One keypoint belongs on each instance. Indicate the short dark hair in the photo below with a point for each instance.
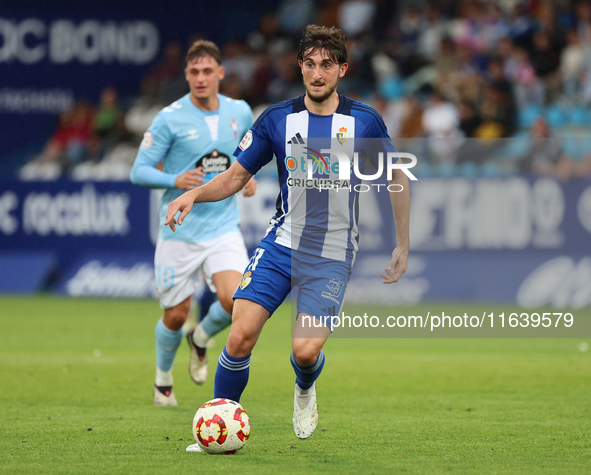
(317, 38)
(203, 48)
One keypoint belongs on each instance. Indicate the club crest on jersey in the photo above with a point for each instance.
(234, 126)
(343, 135)
(246, 279)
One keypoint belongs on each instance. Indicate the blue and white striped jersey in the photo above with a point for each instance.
(184, 137)
(321, 222)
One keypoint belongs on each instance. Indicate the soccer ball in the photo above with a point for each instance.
(221, 426)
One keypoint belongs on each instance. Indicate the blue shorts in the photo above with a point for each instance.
(274, 270)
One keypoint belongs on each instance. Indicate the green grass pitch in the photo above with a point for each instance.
(76, 397)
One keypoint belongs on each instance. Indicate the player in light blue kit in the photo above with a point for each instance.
(194, 138)
(313, 238)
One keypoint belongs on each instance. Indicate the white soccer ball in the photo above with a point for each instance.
(221, 426)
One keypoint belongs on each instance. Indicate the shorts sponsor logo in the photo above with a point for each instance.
(246, 141)
(246, 279)
(335, 287)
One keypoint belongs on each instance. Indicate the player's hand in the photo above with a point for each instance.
(250, 188)
(396, 267)
(184, 204)
(190, 179)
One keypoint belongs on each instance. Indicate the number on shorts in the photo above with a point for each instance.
(258, 253)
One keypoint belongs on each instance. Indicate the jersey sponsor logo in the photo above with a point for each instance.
(246, 141)
(192, 134)
(214, 162)
(343, 135)
(246, 279)
(235, 126)
(148, 140)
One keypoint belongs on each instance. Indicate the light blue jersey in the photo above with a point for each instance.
(184, 137)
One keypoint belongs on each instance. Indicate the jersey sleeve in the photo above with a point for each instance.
(256, 148)
(153, 149)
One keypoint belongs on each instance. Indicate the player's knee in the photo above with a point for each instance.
(305, 354)
(240, 343)
(174, 318)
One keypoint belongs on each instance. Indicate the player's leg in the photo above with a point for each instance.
(233, 368)
(307, 360)
(169, 335)
(264, 285)
(322, 284)
(224, 261)
(176, 268)
(218, 317)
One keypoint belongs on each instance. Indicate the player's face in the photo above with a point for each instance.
(204, 75)
(321, 75)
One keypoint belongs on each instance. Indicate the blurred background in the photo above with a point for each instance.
(494, 98)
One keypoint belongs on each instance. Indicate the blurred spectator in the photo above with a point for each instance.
(441, 122)
(528, 88)
(288, 82)
(108, 122)
(470, 118)
(66, 148)
(441, 117)
(141, 114)
(545, 60)
(356, 16)
(432, 32)
(168, 69)
(546, 155)
(238, 60)
(571, 65)
(295, 16)
(231, 86)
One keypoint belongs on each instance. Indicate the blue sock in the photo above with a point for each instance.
(306, 375)
(216, 319)
(167, 342)
(205, 301)
(231, 376)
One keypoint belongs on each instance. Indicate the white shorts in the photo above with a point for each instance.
(178, 265)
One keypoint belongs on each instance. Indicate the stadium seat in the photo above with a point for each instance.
(579, 116)
(528, 115)
(556, 116)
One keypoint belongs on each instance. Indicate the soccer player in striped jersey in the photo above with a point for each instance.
(312, 239)
(194, 138)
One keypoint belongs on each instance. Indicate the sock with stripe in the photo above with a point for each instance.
(231, 376)
(167, 343)
(306, 375)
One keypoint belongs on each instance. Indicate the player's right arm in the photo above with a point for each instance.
(219, 188)
(153, 149)
(254, 151)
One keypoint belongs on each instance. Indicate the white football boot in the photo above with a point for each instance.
(198, 363)
(165, 398)
(194, 448)
(305, 411)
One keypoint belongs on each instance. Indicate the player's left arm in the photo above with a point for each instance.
(400, 201)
